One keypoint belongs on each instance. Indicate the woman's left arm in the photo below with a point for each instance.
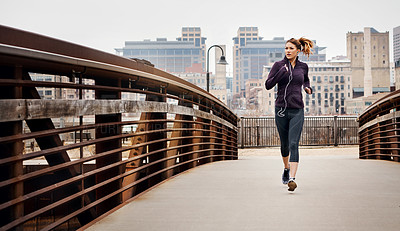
(307, 87)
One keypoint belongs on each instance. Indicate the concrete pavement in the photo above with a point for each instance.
(336, 191)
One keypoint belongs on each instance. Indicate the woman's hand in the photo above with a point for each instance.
(308, 90)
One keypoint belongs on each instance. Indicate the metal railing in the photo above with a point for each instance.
(379, 129)
(64, 163)
(317, 130)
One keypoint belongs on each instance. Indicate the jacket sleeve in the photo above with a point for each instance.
(307, 80)
(275, 75)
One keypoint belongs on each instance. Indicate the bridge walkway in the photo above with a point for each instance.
(336, 191)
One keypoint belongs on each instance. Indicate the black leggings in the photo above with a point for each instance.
(289, 129)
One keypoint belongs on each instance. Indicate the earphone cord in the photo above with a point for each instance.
(282, 110)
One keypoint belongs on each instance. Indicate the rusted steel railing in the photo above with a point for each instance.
(317, 130)
(379, 129)
(63, 162)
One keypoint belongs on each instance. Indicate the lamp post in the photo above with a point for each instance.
(222, 61)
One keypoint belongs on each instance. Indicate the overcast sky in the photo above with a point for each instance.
(106, 25)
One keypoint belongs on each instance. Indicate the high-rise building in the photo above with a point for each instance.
(251, 53)
(370, 62)
(186, 54)
(396, 43)
(397, 74)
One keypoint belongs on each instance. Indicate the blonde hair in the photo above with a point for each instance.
(303, 44)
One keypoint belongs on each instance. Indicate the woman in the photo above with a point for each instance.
(291, 75)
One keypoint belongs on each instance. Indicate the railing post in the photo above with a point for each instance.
(335, 130)
(162, 144)
(242, 132)
(11, 150)
(106, 131)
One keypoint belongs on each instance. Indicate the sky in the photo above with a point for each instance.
(105, 25)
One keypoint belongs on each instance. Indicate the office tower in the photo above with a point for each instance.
(396, 43)
(396, 56)
(251, 53)
(186, 54)
(370, 64)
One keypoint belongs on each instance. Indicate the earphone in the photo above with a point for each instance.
(282, 110)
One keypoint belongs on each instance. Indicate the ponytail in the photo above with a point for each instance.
(303, 44)
(307, 46)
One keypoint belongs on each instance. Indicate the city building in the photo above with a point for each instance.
(331, 84)
(186, 54)
(62, 93)
(253, 88)
(198, 79)
(396, 43)
(370, 62)
(397, 74)
(357, 105)
(251, 53)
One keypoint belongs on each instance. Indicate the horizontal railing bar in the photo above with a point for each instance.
(28, 109)
(55, 131)
(380, 143)
(367, 132)
(380, 154)
(378, 138)
(30, 83)
(374, 149)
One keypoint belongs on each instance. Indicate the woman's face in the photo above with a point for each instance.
(291, 50)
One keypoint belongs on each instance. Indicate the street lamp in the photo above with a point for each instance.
(222, 61)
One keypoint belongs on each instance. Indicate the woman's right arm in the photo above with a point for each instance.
(275, 75)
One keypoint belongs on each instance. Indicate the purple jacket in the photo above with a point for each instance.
(278, 74)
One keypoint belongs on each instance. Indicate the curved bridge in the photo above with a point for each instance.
(120, 147)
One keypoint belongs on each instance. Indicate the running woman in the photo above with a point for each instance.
(291, 75)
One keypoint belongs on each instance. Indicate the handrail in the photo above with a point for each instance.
(173, 126)
(379, 127)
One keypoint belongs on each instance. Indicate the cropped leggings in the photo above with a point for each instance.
(289, 129)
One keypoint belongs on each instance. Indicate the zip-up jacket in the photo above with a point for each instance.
(279, 75)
